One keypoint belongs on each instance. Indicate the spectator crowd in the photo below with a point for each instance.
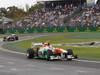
(47, 17)
(57, 16)
(89, 17)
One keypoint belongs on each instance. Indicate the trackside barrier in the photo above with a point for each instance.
(30, 30)
(10, 31)
(39, 29)
(93, 28)
(51, 29)
(60, 29)
(71, 28)
(82, 28)
(21, 31)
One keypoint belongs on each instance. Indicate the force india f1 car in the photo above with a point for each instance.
(46, 51)
(11, 37)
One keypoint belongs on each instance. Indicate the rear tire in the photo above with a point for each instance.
(70, 52)
(16, 38)
(30, 53)
(75, 57)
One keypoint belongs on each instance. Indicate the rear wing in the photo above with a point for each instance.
(36, 44)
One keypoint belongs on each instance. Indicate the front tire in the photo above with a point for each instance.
(30, 53)
(75, 57)
(4, 39)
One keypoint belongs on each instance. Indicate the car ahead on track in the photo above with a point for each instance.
(46, 51)
(11, 37)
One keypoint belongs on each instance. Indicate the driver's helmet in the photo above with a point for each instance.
(46, 44)
(13, 34)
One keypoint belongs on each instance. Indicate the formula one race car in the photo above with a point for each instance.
(11, 37)
(46, 51)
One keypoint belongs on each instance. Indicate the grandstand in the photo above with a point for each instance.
(61, 16)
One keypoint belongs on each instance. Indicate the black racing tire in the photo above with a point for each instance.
(16, 38)
(65, 54)
(75, 57)
(4, 39)
(70, 52)
(30, 53)
(49, 53)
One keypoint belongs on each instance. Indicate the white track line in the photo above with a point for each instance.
(6, 50)
(89, 61)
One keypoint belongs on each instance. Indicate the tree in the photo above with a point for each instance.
(3, 12)
(36, 6)
(15, 13)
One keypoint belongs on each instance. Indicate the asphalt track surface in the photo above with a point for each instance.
(18, 64)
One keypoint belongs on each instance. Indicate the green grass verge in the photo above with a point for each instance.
(84, 52)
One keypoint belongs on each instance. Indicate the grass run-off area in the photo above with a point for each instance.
(69, 37)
